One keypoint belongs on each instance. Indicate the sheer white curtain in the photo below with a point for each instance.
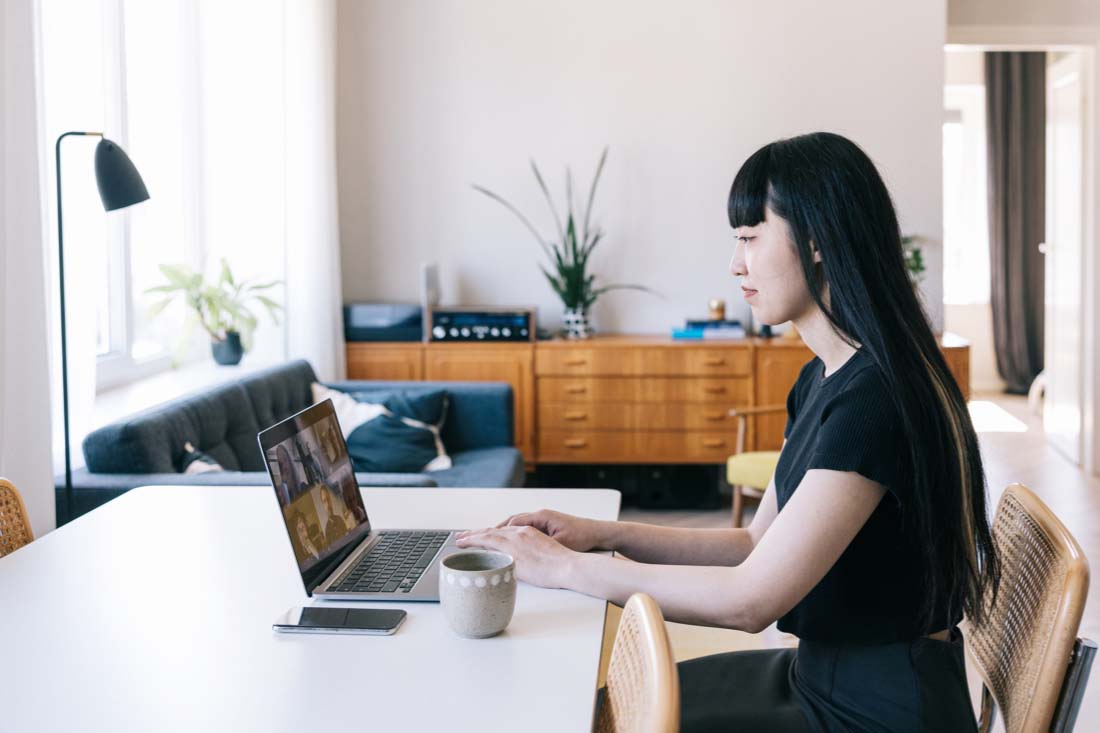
(24, 364)
(269, 163)
(313, 298)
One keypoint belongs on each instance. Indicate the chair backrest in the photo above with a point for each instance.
(643, 686)
(15, 527)
(1025, 644)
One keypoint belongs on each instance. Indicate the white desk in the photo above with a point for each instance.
(154, 613)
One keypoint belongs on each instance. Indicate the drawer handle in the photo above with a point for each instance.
(715, 416)
(714, 362)
(576, 362)
(576, 390)
(713, 443)
(575, 442)
(576, 416)
(714, 390)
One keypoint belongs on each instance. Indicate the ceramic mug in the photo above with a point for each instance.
(477, 590)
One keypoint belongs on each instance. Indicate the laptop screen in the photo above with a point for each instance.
(315, 484)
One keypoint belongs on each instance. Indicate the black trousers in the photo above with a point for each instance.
(917, 685)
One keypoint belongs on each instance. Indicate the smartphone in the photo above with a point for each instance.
(327, 620)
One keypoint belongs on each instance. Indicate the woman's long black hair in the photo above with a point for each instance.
(831, 195)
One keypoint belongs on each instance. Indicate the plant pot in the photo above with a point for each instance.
(575, 324)
(229, 350)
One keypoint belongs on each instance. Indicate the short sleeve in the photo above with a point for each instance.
(861, 432)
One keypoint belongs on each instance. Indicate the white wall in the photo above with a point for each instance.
(434, 95)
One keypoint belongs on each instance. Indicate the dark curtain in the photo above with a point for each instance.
(1015, 103)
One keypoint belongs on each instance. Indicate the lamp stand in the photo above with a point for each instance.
(64, 339)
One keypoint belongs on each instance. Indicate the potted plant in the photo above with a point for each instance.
(914, 260)
(569, 274)
(221, 307)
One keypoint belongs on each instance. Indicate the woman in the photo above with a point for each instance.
(307, 550)
(335, 526)
(872, 540)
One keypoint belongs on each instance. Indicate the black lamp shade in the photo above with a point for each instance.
(120, 184)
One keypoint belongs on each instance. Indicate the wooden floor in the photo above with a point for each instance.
(1014, 450)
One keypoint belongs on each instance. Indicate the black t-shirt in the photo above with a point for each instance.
(848, 422)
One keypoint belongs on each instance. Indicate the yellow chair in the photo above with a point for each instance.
(1026, 649)
(749, 473)
(15, 528)
(643, 685)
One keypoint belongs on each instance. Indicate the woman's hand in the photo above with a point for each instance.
(576, 533)
(540, 560)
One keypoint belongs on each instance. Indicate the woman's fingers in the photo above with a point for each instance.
(479, 538)
(514, 519)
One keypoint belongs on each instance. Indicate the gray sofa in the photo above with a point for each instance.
(147, 448)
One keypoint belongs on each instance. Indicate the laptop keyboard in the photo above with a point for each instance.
(393, 565)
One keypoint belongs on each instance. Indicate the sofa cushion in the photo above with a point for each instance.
(219, 422)
(484, 468)
(480, 414)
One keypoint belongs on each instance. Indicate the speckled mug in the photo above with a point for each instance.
(477, 589)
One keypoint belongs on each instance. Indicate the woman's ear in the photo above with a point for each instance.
(816, 253)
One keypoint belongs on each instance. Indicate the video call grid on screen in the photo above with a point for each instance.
(315, 483)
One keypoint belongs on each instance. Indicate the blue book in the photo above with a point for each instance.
(706, 323)
(687, 333)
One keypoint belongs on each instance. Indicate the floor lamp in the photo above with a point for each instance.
(120, 185)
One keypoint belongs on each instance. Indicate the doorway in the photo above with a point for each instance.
(967, 302)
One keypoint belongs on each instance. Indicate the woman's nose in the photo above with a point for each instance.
(737, 262)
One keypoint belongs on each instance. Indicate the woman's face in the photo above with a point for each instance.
(771, 276)
(303, 533)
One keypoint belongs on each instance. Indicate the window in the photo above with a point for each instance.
(90, 86)
(965, 218)
(167, 81)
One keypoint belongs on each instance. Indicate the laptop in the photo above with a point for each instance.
(339, 555)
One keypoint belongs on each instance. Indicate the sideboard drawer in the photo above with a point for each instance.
(663, 362)
(635, 447)
(669, 389)
(636, 416)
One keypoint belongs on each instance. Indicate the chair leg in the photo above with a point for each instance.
(738, 505)
(988, 711)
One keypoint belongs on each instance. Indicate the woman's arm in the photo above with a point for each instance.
(655, 544)
(684, 546)
(802, 543)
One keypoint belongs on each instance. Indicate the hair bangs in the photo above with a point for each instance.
(750, 190)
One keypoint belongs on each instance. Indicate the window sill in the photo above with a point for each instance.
(115, 404)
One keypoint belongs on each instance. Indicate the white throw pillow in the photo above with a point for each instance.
(350, 412)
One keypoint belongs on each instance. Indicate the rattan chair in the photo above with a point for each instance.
(15, 528)
(1026, 649)
(749, 474)
(643, 685)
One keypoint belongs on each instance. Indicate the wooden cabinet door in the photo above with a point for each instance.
(511, 363)
(958, 361)
(777, 368)
(393, 361)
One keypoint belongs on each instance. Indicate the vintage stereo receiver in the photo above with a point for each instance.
(480, 323)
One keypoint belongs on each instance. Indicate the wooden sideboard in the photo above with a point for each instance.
(623, 398)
